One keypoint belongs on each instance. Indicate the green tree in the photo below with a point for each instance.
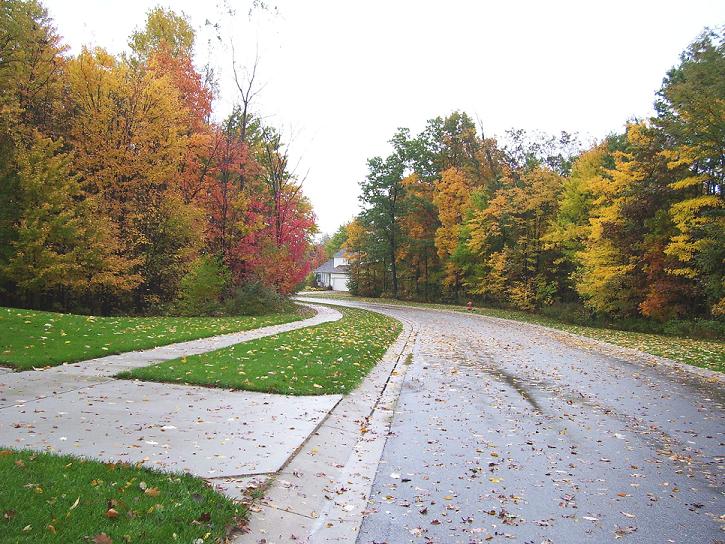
(336, 241)
(164, 29)
(691, 113)
(382, 195)
(31, 69)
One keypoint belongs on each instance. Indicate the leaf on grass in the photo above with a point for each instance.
(102, 538)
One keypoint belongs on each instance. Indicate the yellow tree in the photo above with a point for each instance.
(605, 278)
(128, 135)
(507, 238)
(623, 268)
(61, 248)
(571, 228)
(452, 198)
(363, 266)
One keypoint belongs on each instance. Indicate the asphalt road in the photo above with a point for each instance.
(506, 432)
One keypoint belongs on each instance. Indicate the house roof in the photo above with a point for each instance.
(330, 267)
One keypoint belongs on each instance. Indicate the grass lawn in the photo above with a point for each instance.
(692, 351)
(328, 358)
(37, 339)
(51, 499)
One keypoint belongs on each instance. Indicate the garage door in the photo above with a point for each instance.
(339, 284)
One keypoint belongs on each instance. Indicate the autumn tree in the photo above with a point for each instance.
(164, 29)
(367, 270)
(60, 249)
(691, 114)
(418, 229)
(452, 199)
(129, 139)
(31, 92)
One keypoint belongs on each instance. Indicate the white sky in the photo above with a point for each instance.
(341, 76)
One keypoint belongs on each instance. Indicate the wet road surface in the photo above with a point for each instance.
(506, 432)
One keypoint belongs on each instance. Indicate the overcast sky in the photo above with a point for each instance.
(339, 77)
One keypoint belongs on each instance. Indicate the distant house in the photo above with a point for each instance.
(335, 273)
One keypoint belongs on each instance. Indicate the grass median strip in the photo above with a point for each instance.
(699, 352)
(31, 338)
(329, 358)
(49, 498)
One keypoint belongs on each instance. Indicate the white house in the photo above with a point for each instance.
(335, 273)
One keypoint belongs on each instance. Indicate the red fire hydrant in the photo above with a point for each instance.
(469, 306)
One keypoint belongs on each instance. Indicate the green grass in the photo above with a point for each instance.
(52, 499)
(703, 353)
(37, 339)
(328, 358)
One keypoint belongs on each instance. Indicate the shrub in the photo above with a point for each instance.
(569, 312)
(255, 298)
(201, 288)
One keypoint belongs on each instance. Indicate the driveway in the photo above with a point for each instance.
(508, 432)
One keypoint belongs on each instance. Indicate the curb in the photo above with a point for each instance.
(321, 494)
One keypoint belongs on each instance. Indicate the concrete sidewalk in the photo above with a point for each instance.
(22, 387)
(213, 433)
(321, 494)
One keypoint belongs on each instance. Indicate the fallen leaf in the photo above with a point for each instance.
(620, 532)
(111, 513)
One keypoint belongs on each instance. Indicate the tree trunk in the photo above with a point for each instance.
(394, 273)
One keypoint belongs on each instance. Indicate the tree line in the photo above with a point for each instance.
(118, 192)
(632, 227)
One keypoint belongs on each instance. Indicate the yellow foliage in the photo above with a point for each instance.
(452, 197)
